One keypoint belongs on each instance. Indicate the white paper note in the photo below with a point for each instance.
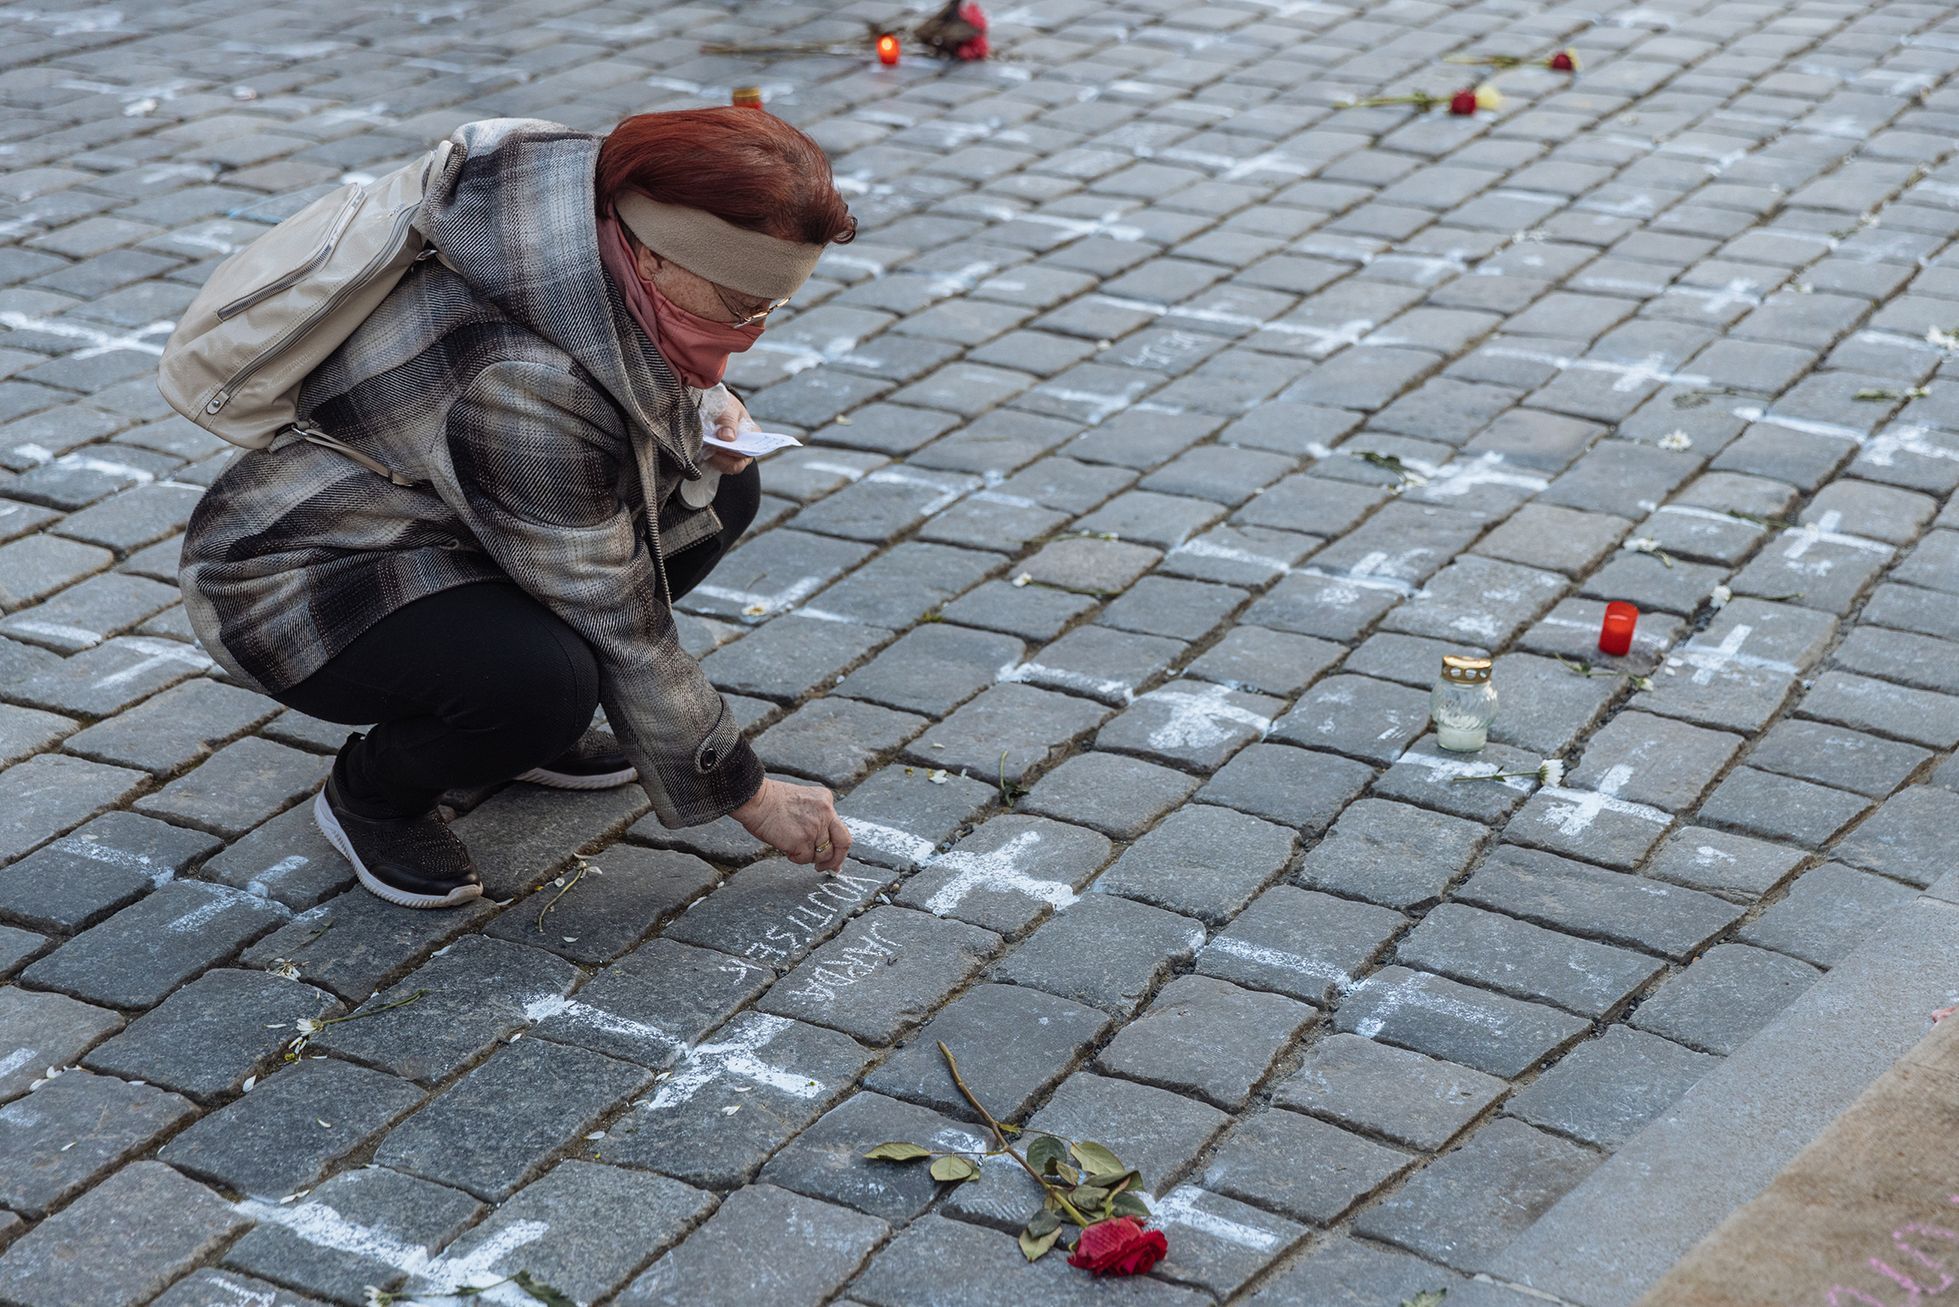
(753, 444)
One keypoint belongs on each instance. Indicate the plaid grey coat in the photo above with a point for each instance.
(508, 379)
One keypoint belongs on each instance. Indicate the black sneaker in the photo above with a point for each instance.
(596, 762)
(413, 862)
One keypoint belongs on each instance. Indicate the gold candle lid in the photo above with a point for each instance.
(1465, 669)
(747, 97)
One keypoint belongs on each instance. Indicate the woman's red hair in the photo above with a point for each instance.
(744, 166)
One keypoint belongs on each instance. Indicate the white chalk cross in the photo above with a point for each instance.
(999, 871)
(1572, 812)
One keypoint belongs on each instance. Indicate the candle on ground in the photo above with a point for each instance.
(1616, 634)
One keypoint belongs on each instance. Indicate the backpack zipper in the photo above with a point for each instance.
(305, 324)
(334, 233)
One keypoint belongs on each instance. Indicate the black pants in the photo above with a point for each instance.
(476, 684)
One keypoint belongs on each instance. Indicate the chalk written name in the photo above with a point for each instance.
(853, 963)
(803, 924)
(1913, 1280)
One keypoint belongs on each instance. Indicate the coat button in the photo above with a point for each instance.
(708, 758)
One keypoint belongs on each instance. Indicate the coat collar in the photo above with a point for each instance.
(513, 214)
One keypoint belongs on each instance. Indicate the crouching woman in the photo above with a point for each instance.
(538, 384)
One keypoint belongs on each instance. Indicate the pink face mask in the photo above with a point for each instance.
(696, 348)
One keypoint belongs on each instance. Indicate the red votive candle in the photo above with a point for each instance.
(1616, 635)
(887, 49)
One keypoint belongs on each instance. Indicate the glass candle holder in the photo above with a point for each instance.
(1463, 704)
(1615, 635)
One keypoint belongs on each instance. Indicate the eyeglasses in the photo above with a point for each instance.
(748, 319)
(741, 319)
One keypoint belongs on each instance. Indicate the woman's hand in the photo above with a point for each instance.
(800, 820)
(728, 424)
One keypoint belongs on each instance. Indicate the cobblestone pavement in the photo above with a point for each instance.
(1166, 423)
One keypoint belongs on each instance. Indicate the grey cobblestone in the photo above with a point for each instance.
(826, 1160)
(206, 1038)
(259, 1145)
(1453, 1022)
(1206, 1037)
(1203, 861)
(651, 1004)
(214, 1286)
(370, 944)
(777, 1075)
(1604, 1090)
(435, 1143)
(756, 1218)
(1513, 957)
(963, 1265)
(120, 1243)
(44, 1032)
(423, 1216)
(238, 787)
(1900, 839)
(1298, 943)
(1299, 788)
(163, 734)
(1051, 1035)
(75, 1129)
(1099, 662)
(883, 974)
(1307, 1169)
(1728, 994)
(1490, 1188)
(50, 794)
(106, 864)
(136, 957)
(472, 994)
(1345, 1078)
(1157, 1132)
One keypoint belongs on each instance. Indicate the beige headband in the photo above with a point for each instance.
(751, 262)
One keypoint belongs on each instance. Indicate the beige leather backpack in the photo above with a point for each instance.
(275, 310)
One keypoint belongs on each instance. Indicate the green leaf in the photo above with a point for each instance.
(1035, 1246)
(1044, 1220)
(953, 1169)
(1427, 1298)
(1090, 1199)
(897, 1151)
(1045, 1153)
(544, 1293)
(1128, 1204)
(1097, 1160)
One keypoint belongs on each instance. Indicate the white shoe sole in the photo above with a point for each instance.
(330, 827)
(558, 780)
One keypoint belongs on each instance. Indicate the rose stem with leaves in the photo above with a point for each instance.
(1000, 1135)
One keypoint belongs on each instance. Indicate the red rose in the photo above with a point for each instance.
(1564, 61)
(1463, 103)
(1119, 1246)
(974, 47)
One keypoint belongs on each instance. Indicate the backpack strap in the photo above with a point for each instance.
(373, 465)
